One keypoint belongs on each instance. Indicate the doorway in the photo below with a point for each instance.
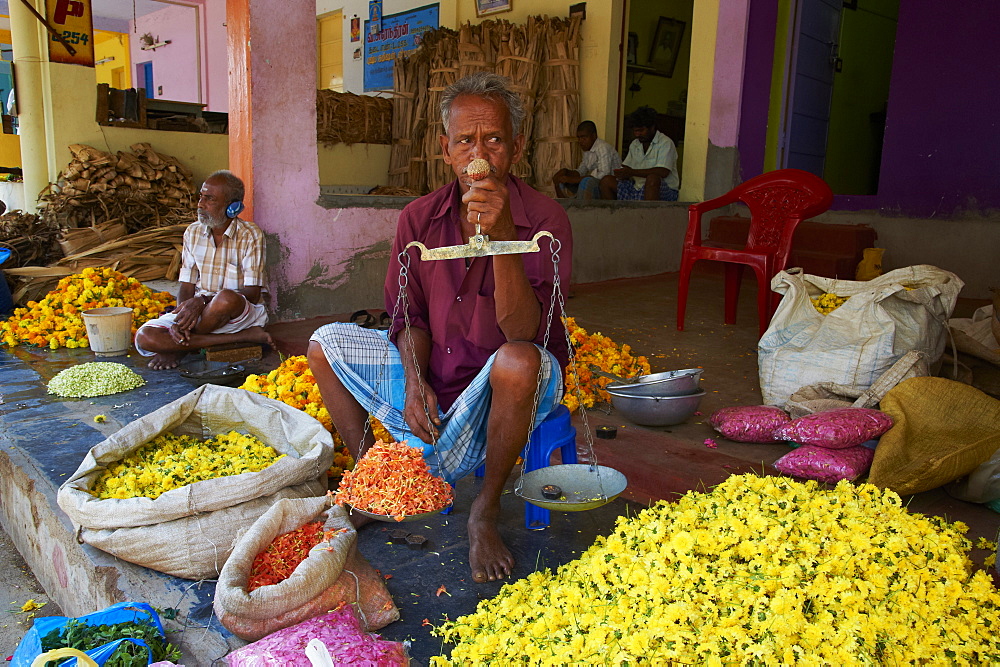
(144, 77)
(837, 89)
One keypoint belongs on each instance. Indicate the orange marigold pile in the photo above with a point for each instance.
(585, 388)
(57, 320)
(293, 383)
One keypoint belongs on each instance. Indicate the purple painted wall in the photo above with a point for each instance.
(942, 139)
(214, 65)
(761, 27)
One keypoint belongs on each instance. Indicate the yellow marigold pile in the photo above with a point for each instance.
(171, 461)
(293, 383)
(828, 302)
(761, 571)
(57, 321)
(583, 387)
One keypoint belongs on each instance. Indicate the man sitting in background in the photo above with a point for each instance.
(600, 159)
(649, 171)
(222, 272)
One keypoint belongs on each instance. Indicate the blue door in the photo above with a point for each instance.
(807, 116)
(144, 77)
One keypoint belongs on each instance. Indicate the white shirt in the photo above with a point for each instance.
(661, 153)
(600, 161)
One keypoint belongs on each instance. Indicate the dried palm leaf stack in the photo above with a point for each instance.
(477, 47)
(409, 75)
(442, 45)
(520, 51)
(346, 118)
(141, 188)
(151, 254)
(558, 111)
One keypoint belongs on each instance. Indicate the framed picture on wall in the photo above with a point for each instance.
(666, 45)
(487, 7)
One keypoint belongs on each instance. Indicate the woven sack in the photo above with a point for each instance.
(942, 430)
(334, 573)
(189, 532)
(881, 321)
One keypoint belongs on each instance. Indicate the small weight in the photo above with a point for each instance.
(551, 492)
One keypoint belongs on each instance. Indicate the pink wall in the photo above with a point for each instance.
(316, 246)
(215, 70)
(175, 66)
(727, 84)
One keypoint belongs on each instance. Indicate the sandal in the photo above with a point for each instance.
(363, 319)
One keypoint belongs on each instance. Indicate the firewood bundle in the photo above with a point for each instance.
(30, 239)
(558, 110)
(142, 188)
(442, 45)
(352, 119)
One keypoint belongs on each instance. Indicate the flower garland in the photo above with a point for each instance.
(57, 320)
(293, 383)
(171, 461)
(762, 571)
(600, 351)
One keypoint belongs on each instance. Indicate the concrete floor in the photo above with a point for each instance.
(660, 463)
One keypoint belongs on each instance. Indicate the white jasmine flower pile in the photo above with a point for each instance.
(97, 378)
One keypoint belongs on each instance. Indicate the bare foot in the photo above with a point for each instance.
(258, 335)
(165, 360)
(488, 555)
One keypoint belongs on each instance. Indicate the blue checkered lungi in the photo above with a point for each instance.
(369, 366)
(628, 192)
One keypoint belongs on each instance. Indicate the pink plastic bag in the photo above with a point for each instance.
(826, 465)
(341, 633)
(751, 423)
(836, 429)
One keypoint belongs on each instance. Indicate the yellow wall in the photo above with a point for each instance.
(357, 164)
(116, 73)
(10, 144)
(703, 35)
(657, 91)
(70, 122)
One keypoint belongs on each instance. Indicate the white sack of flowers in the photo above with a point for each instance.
(883, 319)
(761, 571)
(200, 521)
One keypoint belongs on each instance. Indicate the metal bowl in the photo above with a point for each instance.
(656, 410)
(671, 383)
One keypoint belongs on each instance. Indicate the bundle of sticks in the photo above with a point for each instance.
(558, 111)
(352, 119)
(442, 46)
(30, 239)
(143, 188)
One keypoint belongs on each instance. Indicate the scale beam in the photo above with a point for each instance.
(479, 245)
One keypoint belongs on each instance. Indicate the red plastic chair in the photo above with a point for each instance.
(778, 202)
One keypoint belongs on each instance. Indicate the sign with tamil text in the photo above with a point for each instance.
(399, 36)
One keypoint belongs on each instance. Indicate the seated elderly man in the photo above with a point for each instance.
(649, 171)
(222, 267)
(460, 366)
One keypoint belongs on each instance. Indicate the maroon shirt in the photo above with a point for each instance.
(456, 304)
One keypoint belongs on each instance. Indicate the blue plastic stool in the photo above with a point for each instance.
(555, 432)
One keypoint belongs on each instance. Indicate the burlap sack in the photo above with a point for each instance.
(205, 412)
(192, 547)
(334, 573)
(942, 430)
(189, 532)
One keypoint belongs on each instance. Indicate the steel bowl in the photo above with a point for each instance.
(671, 383)
(656, 410)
